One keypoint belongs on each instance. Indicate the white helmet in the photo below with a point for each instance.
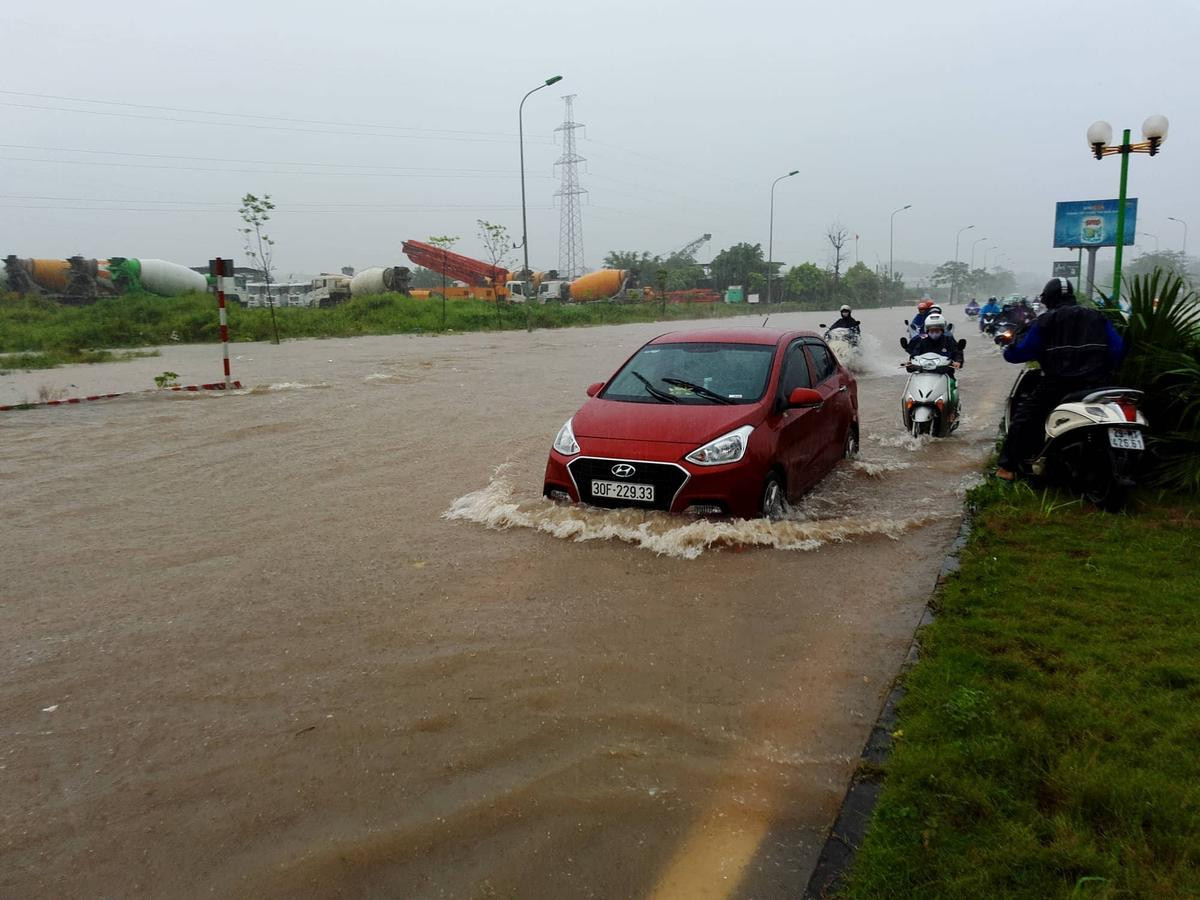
(845, 310)
(935, 320)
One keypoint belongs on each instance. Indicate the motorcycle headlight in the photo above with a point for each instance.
(564, 441)
(725, 449)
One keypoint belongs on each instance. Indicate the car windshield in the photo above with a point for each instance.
(695, 373)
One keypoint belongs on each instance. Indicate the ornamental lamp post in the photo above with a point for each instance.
(771, 234)
(1099, 138)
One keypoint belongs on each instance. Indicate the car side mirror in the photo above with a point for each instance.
(904, 341)
(962, 343)
(594, 389)
(804, 398)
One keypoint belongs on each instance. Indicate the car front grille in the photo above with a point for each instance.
(667, 479)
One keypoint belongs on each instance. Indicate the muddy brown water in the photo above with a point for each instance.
(323, 637)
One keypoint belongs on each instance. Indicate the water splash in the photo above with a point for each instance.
(285, 386)
(863, 358)
(875, 468)
(497, 506)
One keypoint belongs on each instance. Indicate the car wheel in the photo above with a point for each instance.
(850, 450)
(774, 498)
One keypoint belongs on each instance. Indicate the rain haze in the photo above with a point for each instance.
(370, 124)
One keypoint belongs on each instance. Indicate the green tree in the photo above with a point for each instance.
(1172, 262)
(807, 283)
(860, 287)
(735, 265)
(444, 242)
(255, 213)
(951, 275)
(496, 243)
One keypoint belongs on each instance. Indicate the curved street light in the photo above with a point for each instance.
(891, 241)
(954, 291)
(1157, 245)
(1184, 224)
(973, 246)
(525, 275)
(771, 237)
(1099, 138)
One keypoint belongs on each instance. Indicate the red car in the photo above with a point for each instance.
(735, 421)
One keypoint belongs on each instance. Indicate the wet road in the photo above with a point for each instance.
(248, 653)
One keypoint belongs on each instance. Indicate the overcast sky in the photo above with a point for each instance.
(973, 114)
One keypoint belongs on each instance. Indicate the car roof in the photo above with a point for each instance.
(730, 335)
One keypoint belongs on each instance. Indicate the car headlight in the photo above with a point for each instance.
(725, 449)
(564, 441)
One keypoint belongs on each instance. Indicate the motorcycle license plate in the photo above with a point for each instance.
(1126, 439)
(623, 490)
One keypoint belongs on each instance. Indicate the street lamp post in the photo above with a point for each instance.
(954, 291)
(524, 225)
(971, 268)
(1157, 245)
(771, 235)
(1099, 138)
(995, 247)
(891, 242)
(1183, 250)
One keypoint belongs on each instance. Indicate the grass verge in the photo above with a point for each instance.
(44, 333)
(61, 356)
(1049, 737)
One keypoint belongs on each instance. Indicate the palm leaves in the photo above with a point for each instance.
(1162, 339)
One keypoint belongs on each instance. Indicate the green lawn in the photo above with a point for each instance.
(1049, 740)
(46, 334)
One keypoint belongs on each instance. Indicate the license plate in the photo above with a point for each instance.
(1126, 439)
(623, 490)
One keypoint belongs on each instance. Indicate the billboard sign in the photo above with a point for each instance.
(1068, 268)
(1092, 223)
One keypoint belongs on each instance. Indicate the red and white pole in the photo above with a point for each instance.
(218, 266)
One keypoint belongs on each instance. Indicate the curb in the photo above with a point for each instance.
(212, 386)
(850, 826)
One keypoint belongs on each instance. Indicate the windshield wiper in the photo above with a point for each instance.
(697, 389)
(654, 392)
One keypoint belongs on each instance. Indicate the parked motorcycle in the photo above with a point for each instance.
(929, 404)
(1094, 440)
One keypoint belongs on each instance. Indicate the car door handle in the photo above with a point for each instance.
(843, 389)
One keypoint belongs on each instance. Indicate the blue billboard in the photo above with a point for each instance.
(1092, 223)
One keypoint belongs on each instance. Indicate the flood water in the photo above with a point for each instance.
(323, 637)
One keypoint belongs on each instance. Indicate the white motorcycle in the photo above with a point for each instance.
(1094, 440)
(929, 404)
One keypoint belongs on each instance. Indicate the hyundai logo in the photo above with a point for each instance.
(623, 470)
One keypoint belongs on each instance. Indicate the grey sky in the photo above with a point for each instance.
(973, 114)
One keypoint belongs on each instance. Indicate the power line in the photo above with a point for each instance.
(339, 133)
(263, 162)
(117, 165)
(210, 112)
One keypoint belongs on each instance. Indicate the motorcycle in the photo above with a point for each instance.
(971, 309)
(1094, 440)
(849, 335)
(929, 403)
(988, 323)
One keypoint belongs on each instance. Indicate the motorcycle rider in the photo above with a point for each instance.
(991, 308)
(846, 321)
(937, 339)
(917, 326)
(1077, 348)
